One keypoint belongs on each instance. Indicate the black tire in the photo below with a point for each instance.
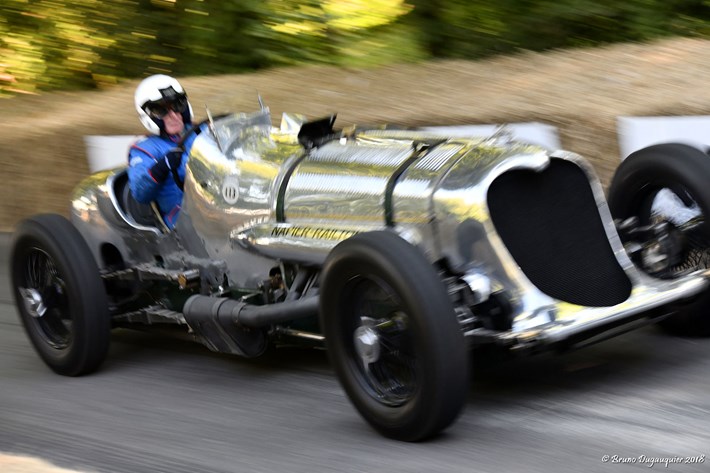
(379, 286)
(685, 171)
(51, 263)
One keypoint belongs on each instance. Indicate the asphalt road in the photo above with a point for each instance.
(162, 404)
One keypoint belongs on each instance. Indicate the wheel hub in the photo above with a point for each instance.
(33, 302)
(367, 344)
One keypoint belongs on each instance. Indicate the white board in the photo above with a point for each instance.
(639, 132)
(108, 152)
(531, 132)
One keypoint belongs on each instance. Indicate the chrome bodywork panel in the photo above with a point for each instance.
(98, 217)
(255, 199)
(344, 183)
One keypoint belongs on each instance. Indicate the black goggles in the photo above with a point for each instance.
(161, 108)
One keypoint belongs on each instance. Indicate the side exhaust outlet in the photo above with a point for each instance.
(229, 326)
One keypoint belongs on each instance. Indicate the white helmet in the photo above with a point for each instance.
(155, 95)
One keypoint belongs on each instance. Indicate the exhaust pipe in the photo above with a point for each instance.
(249, 315)
(230, 326)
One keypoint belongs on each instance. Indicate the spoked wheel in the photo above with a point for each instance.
(669, 183)
(381, 352)
(689, 225)
(60, 295)
(43, 293)
(393, 337)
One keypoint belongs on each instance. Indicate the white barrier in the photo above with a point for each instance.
(532, 132)
(638, 132)
(108, 152)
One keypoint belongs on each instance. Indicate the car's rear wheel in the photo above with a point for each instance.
(671, 183)
(60, 295)
(393, 336)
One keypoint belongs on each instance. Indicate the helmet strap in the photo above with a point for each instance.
(186, 118)
(160, 124)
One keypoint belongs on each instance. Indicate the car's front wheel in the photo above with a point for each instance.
(670, 184)
(393, 337)
(60, 295)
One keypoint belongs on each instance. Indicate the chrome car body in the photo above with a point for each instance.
(259, 199)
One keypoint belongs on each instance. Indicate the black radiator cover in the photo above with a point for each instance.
(551, 225)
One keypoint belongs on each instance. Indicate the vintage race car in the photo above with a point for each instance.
(400, 251)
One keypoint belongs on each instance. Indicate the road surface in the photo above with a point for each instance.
(163, 404)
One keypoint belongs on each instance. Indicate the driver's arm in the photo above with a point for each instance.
(144, 185)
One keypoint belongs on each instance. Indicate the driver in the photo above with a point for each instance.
(156, 164)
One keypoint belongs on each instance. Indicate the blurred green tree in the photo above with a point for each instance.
(70, 44)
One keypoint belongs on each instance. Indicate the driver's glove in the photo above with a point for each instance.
(170, 163)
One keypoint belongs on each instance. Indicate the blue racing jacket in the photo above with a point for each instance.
(141, 157)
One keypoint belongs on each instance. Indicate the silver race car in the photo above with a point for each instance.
(400, 251)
